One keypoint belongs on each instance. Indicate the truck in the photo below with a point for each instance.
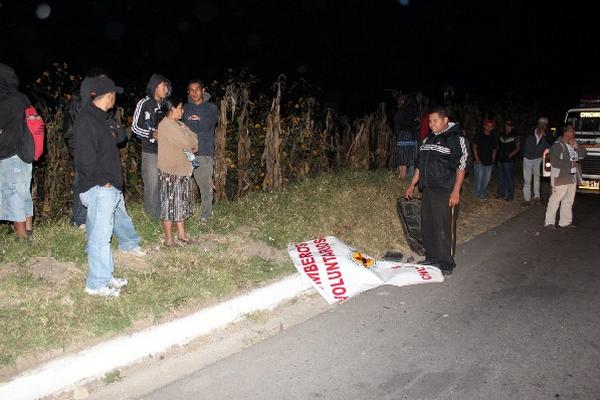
(586, 120)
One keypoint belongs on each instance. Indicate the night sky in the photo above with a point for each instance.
(352, 49)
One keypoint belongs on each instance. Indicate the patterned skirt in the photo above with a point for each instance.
(406, 148)
(176, 197)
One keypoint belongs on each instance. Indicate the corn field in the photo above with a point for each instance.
(263, 140)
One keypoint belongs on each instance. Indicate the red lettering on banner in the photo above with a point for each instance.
(341, 298)
(423, 273)
(311, 268)
(332, 266)
(338, 283)
(339, 291)
(307, 261)
(315, 277)
(319, 240)
(334, 274)
(326, 259)
(302, 248)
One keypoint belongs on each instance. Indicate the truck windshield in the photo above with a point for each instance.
(584, 121)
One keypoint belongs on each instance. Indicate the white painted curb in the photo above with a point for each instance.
(60, 375)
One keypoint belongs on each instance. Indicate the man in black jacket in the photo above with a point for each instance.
(144, 126)
(78, 99)
(15, 171)
(440, 171)
(98, 164)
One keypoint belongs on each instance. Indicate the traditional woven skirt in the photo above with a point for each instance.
(176, 197)
(406, 148)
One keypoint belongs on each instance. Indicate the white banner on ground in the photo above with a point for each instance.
(338, 271)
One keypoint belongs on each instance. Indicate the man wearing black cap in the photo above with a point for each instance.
(98, 164)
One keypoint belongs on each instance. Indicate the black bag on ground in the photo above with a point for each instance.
(409, 212)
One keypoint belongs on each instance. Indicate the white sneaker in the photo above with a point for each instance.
(117, 283)
(138, 252)
(105, 291)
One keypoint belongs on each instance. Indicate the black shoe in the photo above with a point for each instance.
(392, 256)
(570, 226)
(446, 272)
(551, 227)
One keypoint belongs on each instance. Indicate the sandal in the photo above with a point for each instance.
(185, 240)
(170, 244)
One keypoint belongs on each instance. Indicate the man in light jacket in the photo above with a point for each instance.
(565, 155)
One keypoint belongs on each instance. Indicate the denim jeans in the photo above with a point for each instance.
(79, 211)
(483, 173)
(15, 194)
(150, 177)
(531, 167)
(106, 215)
(203, 176)
(506, 184)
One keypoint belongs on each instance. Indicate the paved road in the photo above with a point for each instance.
(519, 319)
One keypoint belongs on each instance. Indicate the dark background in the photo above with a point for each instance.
(353, 49)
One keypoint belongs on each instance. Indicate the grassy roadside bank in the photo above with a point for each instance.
(44, 311)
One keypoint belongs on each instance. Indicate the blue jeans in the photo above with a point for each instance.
(106, 215)
(506, 184)
(15, 194)
(79, 211)
(483, 173)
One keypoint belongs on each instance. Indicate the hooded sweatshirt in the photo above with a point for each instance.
(440, 156)
(144, 116)
(202, 119)
(12, 113)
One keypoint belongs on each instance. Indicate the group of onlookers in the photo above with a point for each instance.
(177, 148)
(489, 148)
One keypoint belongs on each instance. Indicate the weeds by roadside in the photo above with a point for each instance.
(44, 310)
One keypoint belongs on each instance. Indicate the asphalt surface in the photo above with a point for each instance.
(518, 319)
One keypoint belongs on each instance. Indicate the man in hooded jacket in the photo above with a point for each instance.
(201, 116)
(144, 126)
(440, 171)
(16, 204)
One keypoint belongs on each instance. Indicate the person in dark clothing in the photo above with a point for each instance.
(484, 155)
(98, 163)
(534, 145)
(144, 126)
(440, 171)
(78, 99)
(16, 204)
(406, 134)
(201, 116)
(508, 148)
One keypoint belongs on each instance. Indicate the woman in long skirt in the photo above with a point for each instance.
(175, 170)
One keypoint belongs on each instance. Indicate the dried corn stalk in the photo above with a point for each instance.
(358, 156)
(220, 169)
(272, 154)
(243, 146)
(383, 135)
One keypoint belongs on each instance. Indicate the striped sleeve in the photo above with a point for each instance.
(140, 124)
(462, 153)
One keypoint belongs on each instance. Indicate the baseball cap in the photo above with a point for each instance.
(101, 85)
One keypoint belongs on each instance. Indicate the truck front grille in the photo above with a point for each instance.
(590, 165)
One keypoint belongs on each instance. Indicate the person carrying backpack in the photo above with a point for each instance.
(16, 155)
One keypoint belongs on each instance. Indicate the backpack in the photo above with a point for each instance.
(32, 143)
